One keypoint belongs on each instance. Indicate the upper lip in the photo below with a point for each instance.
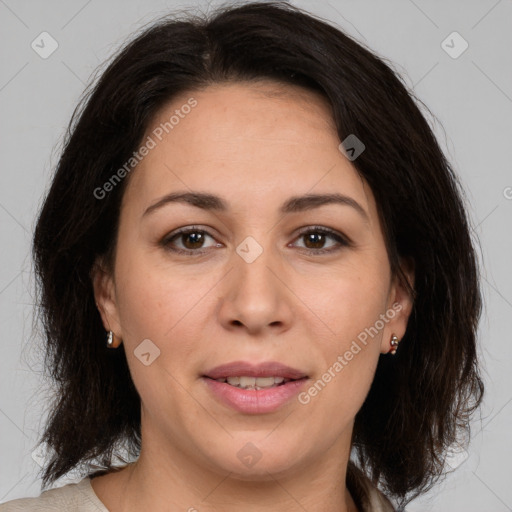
(246, 369)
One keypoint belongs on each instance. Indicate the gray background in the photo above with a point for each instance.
(471, 95)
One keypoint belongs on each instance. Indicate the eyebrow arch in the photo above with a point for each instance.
(294, 204)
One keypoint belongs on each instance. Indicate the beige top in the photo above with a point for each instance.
(80, 497)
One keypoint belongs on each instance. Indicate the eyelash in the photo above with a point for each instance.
(344, 242)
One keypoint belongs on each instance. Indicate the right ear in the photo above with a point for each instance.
(105, 297)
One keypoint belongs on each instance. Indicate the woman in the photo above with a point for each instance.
(253, 213)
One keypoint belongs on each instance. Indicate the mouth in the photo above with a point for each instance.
(246, 375)
(248, 382)
(254, 389)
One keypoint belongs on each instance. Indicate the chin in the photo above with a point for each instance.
(248, 460)
(262, 471)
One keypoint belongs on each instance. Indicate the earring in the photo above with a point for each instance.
(111, 340)
(394, 344)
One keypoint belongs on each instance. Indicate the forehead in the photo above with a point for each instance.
(245, 141)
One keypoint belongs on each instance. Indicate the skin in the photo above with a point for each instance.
(290, 304)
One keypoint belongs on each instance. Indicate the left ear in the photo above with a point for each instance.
(400, 301)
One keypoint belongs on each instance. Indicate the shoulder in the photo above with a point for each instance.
(79, 497)
(366, 495)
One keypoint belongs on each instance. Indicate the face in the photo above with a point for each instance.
(262, 276)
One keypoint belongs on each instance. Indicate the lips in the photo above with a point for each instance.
(242, 368)
(246, 387)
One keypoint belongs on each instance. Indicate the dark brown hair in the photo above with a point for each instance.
(422, 398)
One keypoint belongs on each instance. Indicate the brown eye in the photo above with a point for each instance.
(192, 240)
(315, 240)
(187, 241)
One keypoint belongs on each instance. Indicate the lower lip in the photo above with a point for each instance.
(254, 401)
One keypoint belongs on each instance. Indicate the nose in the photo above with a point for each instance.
(255, 296)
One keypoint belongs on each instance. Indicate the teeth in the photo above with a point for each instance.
(254, 382)
(245, 382)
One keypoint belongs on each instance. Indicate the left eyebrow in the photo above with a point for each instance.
(294, 204)
(310, 201)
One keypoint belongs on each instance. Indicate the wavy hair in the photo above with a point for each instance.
(421, 399)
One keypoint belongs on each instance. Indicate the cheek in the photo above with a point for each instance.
(153, 306)
(350, 355)
(142, 300)
(347, 300)
(151, 297)
(342, 388)
(349, 305)
(165, 305)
